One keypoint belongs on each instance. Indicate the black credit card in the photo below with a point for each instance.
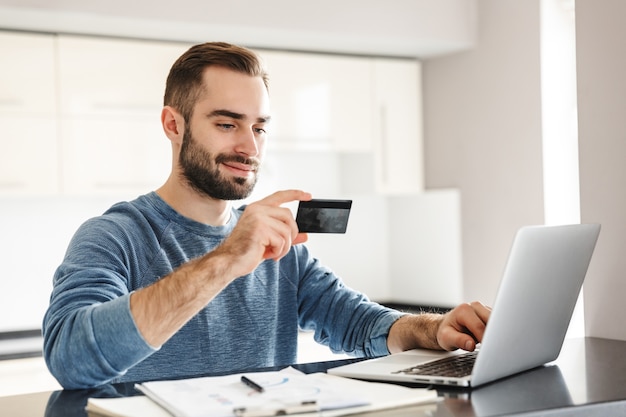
(323, 216)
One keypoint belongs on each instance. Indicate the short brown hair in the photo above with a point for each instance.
(184, 84)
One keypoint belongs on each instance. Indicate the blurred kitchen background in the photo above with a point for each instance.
(450, 123)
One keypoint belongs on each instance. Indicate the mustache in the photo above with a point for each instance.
(253, 162)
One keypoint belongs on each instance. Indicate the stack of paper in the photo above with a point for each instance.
(278, 393)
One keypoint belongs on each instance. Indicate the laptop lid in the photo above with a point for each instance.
(537, 295)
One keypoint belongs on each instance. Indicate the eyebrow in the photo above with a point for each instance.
(235, 115)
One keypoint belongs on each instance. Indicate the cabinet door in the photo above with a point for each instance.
(113, 77)
(29, 161)
(399, 153)
(27, 74)
(111, 99)
(123, 156)
(320, 101)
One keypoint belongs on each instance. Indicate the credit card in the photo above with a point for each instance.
(323, 216)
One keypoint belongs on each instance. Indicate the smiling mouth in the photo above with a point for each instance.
(238, 165)
(240, 169)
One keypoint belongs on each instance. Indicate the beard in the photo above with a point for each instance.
(200, 169)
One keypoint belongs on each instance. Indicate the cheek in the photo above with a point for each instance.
(262, 148)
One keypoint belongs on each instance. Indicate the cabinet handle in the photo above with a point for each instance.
(121, 185)
(9, 102)
(127, 107)
(11, 185)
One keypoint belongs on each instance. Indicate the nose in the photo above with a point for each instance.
(247, 143)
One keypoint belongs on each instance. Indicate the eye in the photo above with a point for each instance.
(226, 126)
(260, 130)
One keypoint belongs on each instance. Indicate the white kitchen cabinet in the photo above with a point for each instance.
(113, 76)
(367, 109)
(104, 135)
(29, 161)
(111, 99)
(27, 74)
(113, 156)
(321, 102)
(398, 123)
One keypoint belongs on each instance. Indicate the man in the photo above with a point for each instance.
(179, 283)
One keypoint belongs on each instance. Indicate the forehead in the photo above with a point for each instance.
(236, 91)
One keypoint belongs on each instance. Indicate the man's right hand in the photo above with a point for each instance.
(265, 231)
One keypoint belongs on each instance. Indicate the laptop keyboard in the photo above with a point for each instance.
(456, 366)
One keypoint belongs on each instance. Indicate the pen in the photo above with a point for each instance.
(281, 410)
(252, 384)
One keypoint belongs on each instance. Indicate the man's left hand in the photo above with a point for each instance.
(463, 327)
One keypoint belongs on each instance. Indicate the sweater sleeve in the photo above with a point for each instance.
(90, 337)
(342, 318)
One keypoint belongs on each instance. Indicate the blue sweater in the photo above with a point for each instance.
(90, 337)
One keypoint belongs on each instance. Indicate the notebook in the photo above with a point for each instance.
(530, 317)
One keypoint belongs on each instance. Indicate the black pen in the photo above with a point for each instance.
(252, 384)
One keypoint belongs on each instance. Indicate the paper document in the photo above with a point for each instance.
(283, 392)
(125, 407)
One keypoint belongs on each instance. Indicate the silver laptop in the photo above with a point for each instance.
(528, 323)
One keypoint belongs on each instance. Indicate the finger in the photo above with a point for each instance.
(286, 196)
(300, 238)
(477, 323)
(474, 321)
(464, 327)
(452, 338)
(280, 236)
(483, 311)
(287, 217)
(467, 343)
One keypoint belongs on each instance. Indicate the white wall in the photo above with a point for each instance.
(483, 136)
(492, 151)
(601, 66)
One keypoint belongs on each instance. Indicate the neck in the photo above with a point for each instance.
(194, 205)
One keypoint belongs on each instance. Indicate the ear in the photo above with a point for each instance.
(173, 124)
